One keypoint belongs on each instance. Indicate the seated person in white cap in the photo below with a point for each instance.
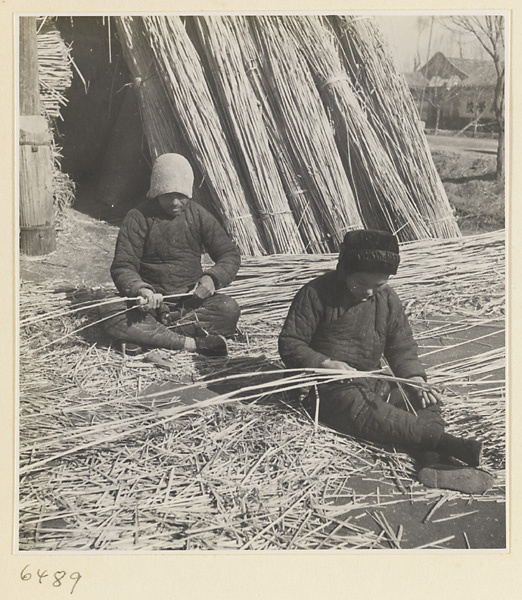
(158, 253)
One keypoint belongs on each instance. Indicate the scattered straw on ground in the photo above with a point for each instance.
(107, 464)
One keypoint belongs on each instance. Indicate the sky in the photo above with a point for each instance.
(409, 38)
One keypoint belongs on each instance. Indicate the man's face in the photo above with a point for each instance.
(173, 203)
(363, 285)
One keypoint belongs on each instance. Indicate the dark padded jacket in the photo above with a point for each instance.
(163, 253)
(326, 321)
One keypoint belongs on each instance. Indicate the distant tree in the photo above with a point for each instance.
(440, 94)
(422, 23)
(489, 31)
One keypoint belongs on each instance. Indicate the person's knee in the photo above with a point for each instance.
(227, 308)
(115, 323)
(231, 308)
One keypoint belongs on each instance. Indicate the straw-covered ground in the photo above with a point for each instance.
(167, 451)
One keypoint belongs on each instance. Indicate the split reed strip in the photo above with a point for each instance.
(91, 304)
(191, 105)
(164, 416)
(384, 201)
(306, 128)
(300, 197)
(245, 122)
(390, 108)
(436, 544)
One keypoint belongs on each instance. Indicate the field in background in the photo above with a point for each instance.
(467, 169)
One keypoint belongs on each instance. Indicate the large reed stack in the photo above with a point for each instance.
(393, 115)
(300, 196)
(162, 132)
(191, 105)
(384, 200)
(306, 128)
(245, 122)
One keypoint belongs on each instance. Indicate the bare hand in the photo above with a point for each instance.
(337, 365)
(148, 300)
(427, 394)
(205, 287)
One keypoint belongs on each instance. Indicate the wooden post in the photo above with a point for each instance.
(29, 86)
(37, 234)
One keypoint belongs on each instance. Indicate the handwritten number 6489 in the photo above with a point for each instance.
(26, 575)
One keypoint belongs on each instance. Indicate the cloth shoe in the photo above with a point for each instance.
(462, 479)
(468, 451)
(211, 345)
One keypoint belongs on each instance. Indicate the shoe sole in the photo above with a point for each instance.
(466, 479)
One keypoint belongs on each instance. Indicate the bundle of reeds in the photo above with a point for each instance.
(384, 201)
(64, 187)
(462, 275)
(306, 129)
(393, 115)
(54, 68)
(55, 77)
(300, 197)
(162, 132)
(161, 43)
(244, 118)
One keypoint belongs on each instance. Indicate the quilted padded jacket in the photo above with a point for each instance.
(326, 321)
(163, 253)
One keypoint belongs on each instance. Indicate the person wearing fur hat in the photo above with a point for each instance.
(158, 253)
(349, 319)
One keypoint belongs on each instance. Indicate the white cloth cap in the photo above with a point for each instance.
(171, 173)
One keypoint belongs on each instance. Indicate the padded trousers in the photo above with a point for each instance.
(168, 326)
(373, 410)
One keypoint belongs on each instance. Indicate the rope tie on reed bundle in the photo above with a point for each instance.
(253, 67)
(229, 220)
(334, 79)
(297, 193)
(263, 214)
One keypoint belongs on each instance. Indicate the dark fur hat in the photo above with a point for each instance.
(369, 250)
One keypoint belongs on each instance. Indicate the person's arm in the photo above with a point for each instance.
(127, 256)
(401, 352)
(222, 250)
(299, 328)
